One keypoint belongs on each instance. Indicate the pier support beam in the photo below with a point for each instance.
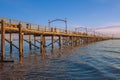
(60, 42)
(52, 38)
(66, 41)
(72, 41)
(30, 41)
(30, 38)
(34, 41)
(2, 39)
(20, 41)
(10, 43)
(42, 47)
(75, 41)
(84, 41)
(79, 40)
(10, 38)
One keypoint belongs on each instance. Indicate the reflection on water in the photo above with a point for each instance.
(97, 61)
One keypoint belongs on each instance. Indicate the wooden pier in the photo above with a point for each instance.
(64, 38)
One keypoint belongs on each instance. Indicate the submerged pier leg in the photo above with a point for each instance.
(34, 41)
(30, 38)
(60, 42)
(88, 40)
(10, 38)
(2, 39)
(79, 40)
(30, 41)
(10, 43)
(84, 41)
(72, 41)
(44, 44)
(42, 47)
(69, 41)
(52, 38)
(20, 41)
(75, 41)
(66, 41)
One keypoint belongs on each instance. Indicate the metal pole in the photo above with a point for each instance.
(49, 23)
(66, 24)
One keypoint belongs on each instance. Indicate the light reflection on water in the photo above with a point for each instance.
(96, 61)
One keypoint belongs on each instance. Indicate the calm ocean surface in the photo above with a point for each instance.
(96, 61)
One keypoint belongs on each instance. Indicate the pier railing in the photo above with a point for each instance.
(26, 25)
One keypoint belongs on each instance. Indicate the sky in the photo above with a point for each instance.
(87, 13)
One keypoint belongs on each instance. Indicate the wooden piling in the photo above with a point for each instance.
(10, 37)
(10, 43)
(66, 41)
(81, 41)
(72, 41)
(42, 46)
(2, 39)
(34, 41)
(52, 39)
(60, 42)
(20, 40)
(30, 39)
(75, 41)
(78, 40)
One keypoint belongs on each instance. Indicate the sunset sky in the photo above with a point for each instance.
(86, 13)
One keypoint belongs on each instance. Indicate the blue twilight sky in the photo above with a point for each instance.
(90, 13)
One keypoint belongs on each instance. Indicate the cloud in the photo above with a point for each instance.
(110, 31)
